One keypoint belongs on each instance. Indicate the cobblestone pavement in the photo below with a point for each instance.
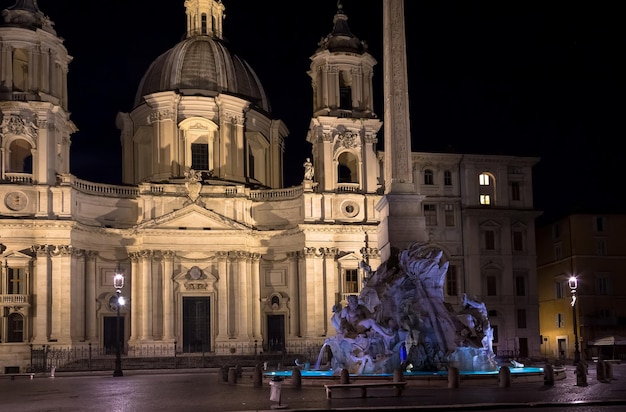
(199, 390)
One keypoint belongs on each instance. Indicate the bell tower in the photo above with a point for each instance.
(344, 127)
(35, 125)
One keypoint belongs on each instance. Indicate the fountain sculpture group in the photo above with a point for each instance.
(401, 321)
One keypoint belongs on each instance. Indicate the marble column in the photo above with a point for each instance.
(222, 297)
(294, 301)
(43, 298)
(168, 295)
(135, 299)
(91, 327)
(146, 294)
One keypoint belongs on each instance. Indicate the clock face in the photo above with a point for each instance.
(16, 200)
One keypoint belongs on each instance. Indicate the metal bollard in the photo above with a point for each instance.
(581, 374)
(454, 377)
(548, 375)
(258, 376)
(504, 377)
(296, 377)
(345, 376)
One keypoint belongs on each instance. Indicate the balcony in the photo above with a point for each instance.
(15, 300)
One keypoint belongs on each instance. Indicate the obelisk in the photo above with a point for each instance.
(402, 218)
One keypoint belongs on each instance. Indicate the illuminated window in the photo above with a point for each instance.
(429, 178)
(484, 179)
(486, 190)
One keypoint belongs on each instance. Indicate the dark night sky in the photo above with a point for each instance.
(522, 78)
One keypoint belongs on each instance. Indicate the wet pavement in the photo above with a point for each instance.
(201, 390)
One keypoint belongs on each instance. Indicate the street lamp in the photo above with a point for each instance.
(118, 283)
(573, 285)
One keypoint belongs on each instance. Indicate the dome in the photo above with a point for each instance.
(341, 38)
(202, 65)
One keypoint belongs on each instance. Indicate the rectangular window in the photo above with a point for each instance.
(603, 285)
(600, 223)
(15, 281)
(429, 178)
(483, 179)
(518, 241)
(521, 318)
(452, 286)
(559, 290)
(520, 285)
(515, 191)
(430, 214)
(601, 247)
(485, 199)
(447, 178)
(491, 286)
(490, 240)
(556, 231)
(449, 214)
(495, 333)
(199, 156)
(351, 281)
(558, 252)
(560, 320)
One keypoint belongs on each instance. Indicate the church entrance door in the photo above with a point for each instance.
(276, 332)
(196, 324)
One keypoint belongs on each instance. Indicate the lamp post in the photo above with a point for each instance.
(118, 283)
(573, 285)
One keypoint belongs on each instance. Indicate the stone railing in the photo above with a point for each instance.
(21, 178)
(277, 194)
(102, 189)
(15, 299)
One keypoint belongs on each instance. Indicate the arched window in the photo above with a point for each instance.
(15, 332)
(204, 24)
(347, 168)
(486, 189)
(21, 159)
(345, 91)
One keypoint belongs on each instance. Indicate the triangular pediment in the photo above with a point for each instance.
(14, 257)
(193, 217)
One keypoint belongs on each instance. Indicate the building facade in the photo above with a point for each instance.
(218, 255)
(590, 247)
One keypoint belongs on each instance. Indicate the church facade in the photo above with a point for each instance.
(217, 255)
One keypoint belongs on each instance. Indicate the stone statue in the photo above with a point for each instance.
(400, 318)
(308, 169)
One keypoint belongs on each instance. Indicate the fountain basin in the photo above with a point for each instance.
(421, 378)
